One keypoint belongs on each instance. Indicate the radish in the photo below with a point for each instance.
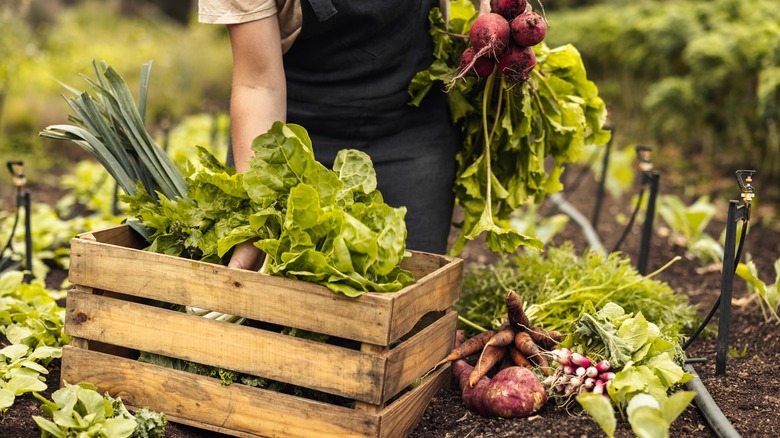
(517, 63)
(602, 366)
(528, 28)
(481, 67)
(580, 360)
(513, 392)
(508, 9)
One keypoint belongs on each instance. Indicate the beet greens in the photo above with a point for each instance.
(510, 128)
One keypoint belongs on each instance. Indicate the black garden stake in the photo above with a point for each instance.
(22, 202)
(730, 260)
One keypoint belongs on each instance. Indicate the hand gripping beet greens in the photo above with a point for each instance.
(517, 134)
(315, 224)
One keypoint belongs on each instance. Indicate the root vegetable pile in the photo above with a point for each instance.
(513, 354)
(502, 39)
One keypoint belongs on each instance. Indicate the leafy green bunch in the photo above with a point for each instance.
(314, 224)
(79, 410)
(32, 322)
(510, 133)
(649, 367)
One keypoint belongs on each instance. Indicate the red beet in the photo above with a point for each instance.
(481, 67)
(528, 29)
(489, 34)
(508, 9)
(516, 63)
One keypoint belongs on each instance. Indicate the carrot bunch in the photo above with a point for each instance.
(516, 342)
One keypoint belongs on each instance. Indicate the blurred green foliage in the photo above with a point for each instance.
(702, 75)
(191, 67)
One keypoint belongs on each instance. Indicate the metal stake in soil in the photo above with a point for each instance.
(736, 213)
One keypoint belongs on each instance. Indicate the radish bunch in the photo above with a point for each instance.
(576, 374)
(502, 39)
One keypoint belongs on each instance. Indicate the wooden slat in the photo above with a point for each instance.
(376, 318)
(401, 417)
(440, 291)
(257, 352)
(206, 403)
(419, 354)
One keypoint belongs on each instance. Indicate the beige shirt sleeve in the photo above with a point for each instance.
(288, 13)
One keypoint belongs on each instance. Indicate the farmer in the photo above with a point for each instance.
(341, 70)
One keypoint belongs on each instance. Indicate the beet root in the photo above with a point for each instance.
(508, 9)
(489, 34)
(528, 29)
(512, 393)
(517, 63)
(480, 67)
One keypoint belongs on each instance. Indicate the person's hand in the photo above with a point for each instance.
(246, 256)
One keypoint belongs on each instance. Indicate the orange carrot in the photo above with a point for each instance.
(547, 339)
(503, 337)
(490, 356)
(519, 358)
(526, 345)
(514, 309)
(469, 347)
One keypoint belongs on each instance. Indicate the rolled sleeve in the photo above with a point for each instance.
(231, 12)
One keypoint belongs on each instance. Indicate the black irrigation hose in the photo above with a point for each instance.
(718, 422)
(630, 221)
(716, 304)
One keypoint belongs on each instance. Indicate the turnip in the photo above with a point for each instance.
(517, 63)
(528, 29)
(513, 392)
(508, 9)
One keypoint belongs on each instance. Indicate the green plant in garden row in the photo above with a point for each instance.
(705, 73)
(32, 322)
(768, 294)
(555, 285)
(510, 131)
(80, 411)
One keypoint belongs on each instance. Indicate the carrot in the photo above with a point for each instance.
(490, 356)
(528, 347)
(503, 337)
(519, 358)
(514, 309)
(547, 339)
(468, 347)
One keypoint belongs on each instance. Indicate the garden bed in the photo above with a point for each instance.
(747, 393)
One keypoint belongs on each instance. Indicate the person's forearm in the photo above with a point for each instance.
(252, 112)
(259, 91)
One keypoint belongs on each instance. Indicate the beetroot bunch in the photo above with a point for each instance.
(503, 39)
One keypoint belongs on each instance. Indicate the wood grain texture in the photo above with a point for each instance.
(375, 318)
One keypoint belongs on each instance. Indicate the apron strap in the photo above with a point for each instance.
(323, 9)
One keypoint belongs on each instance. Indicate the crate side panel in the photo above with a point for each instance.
(402, 416)
(315, 365)
(204, 400)
(237, 292)
(436, 291)
(419, 354)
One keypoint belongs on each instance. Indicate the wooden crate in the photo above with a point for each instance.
(387, 341)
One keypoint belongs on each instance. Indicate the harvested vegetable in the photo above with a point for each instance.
(491, 355)
(513, 392)
(517, 137)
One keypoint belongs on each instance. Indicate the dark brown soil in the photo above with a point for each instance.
(747, 394)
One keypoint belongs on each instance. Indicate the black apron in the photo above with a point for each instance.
(347, 78)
